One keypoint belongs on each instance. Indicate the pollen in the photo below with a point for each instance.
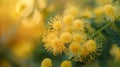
(66, 64)
(90, 45)
(68, 19)
(75, 48)
(78, 25)
(47, 62)
(66, 37)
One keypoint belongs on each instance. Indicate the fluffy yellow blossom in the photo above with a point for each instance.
(87, 14)
(58, 46)
(53, 43)
(78, 25)
(109, 11)
(68, 29)
(48, 36)
(47, 62)
(115, 51)
(98, 12)
(72, 10)
(66, 37)
(78, 51)
(66, 64)
(90, 45)
(75, 48)
(42, 4)
(24, 7)
(68, 19)
(77, 37)
(57, 25)
(84, 52)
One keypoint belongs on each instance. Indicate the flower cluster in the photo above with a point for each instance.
(108, 10)
(67, 34)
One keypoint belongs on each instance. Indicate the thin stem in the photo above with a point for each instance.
(71, 59)
(102, 28)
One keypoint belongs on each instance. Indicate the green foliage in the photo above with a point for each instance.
(114, 36)
(117, 22)
(111, 36)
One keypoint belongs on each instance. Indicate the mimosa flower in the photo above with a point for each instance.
(115, 52)
(47, 62)
(68, 19)
(71, 10)
(53, 43)
(75, 48)
(87, 14)
(66, 64)
(78, 25)
(77, 37)
(98, 12)
(66, 37)
(68, 28)
(90, 45)
(109, 11)
(42, 4)
(57, 25)
(58, 46)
